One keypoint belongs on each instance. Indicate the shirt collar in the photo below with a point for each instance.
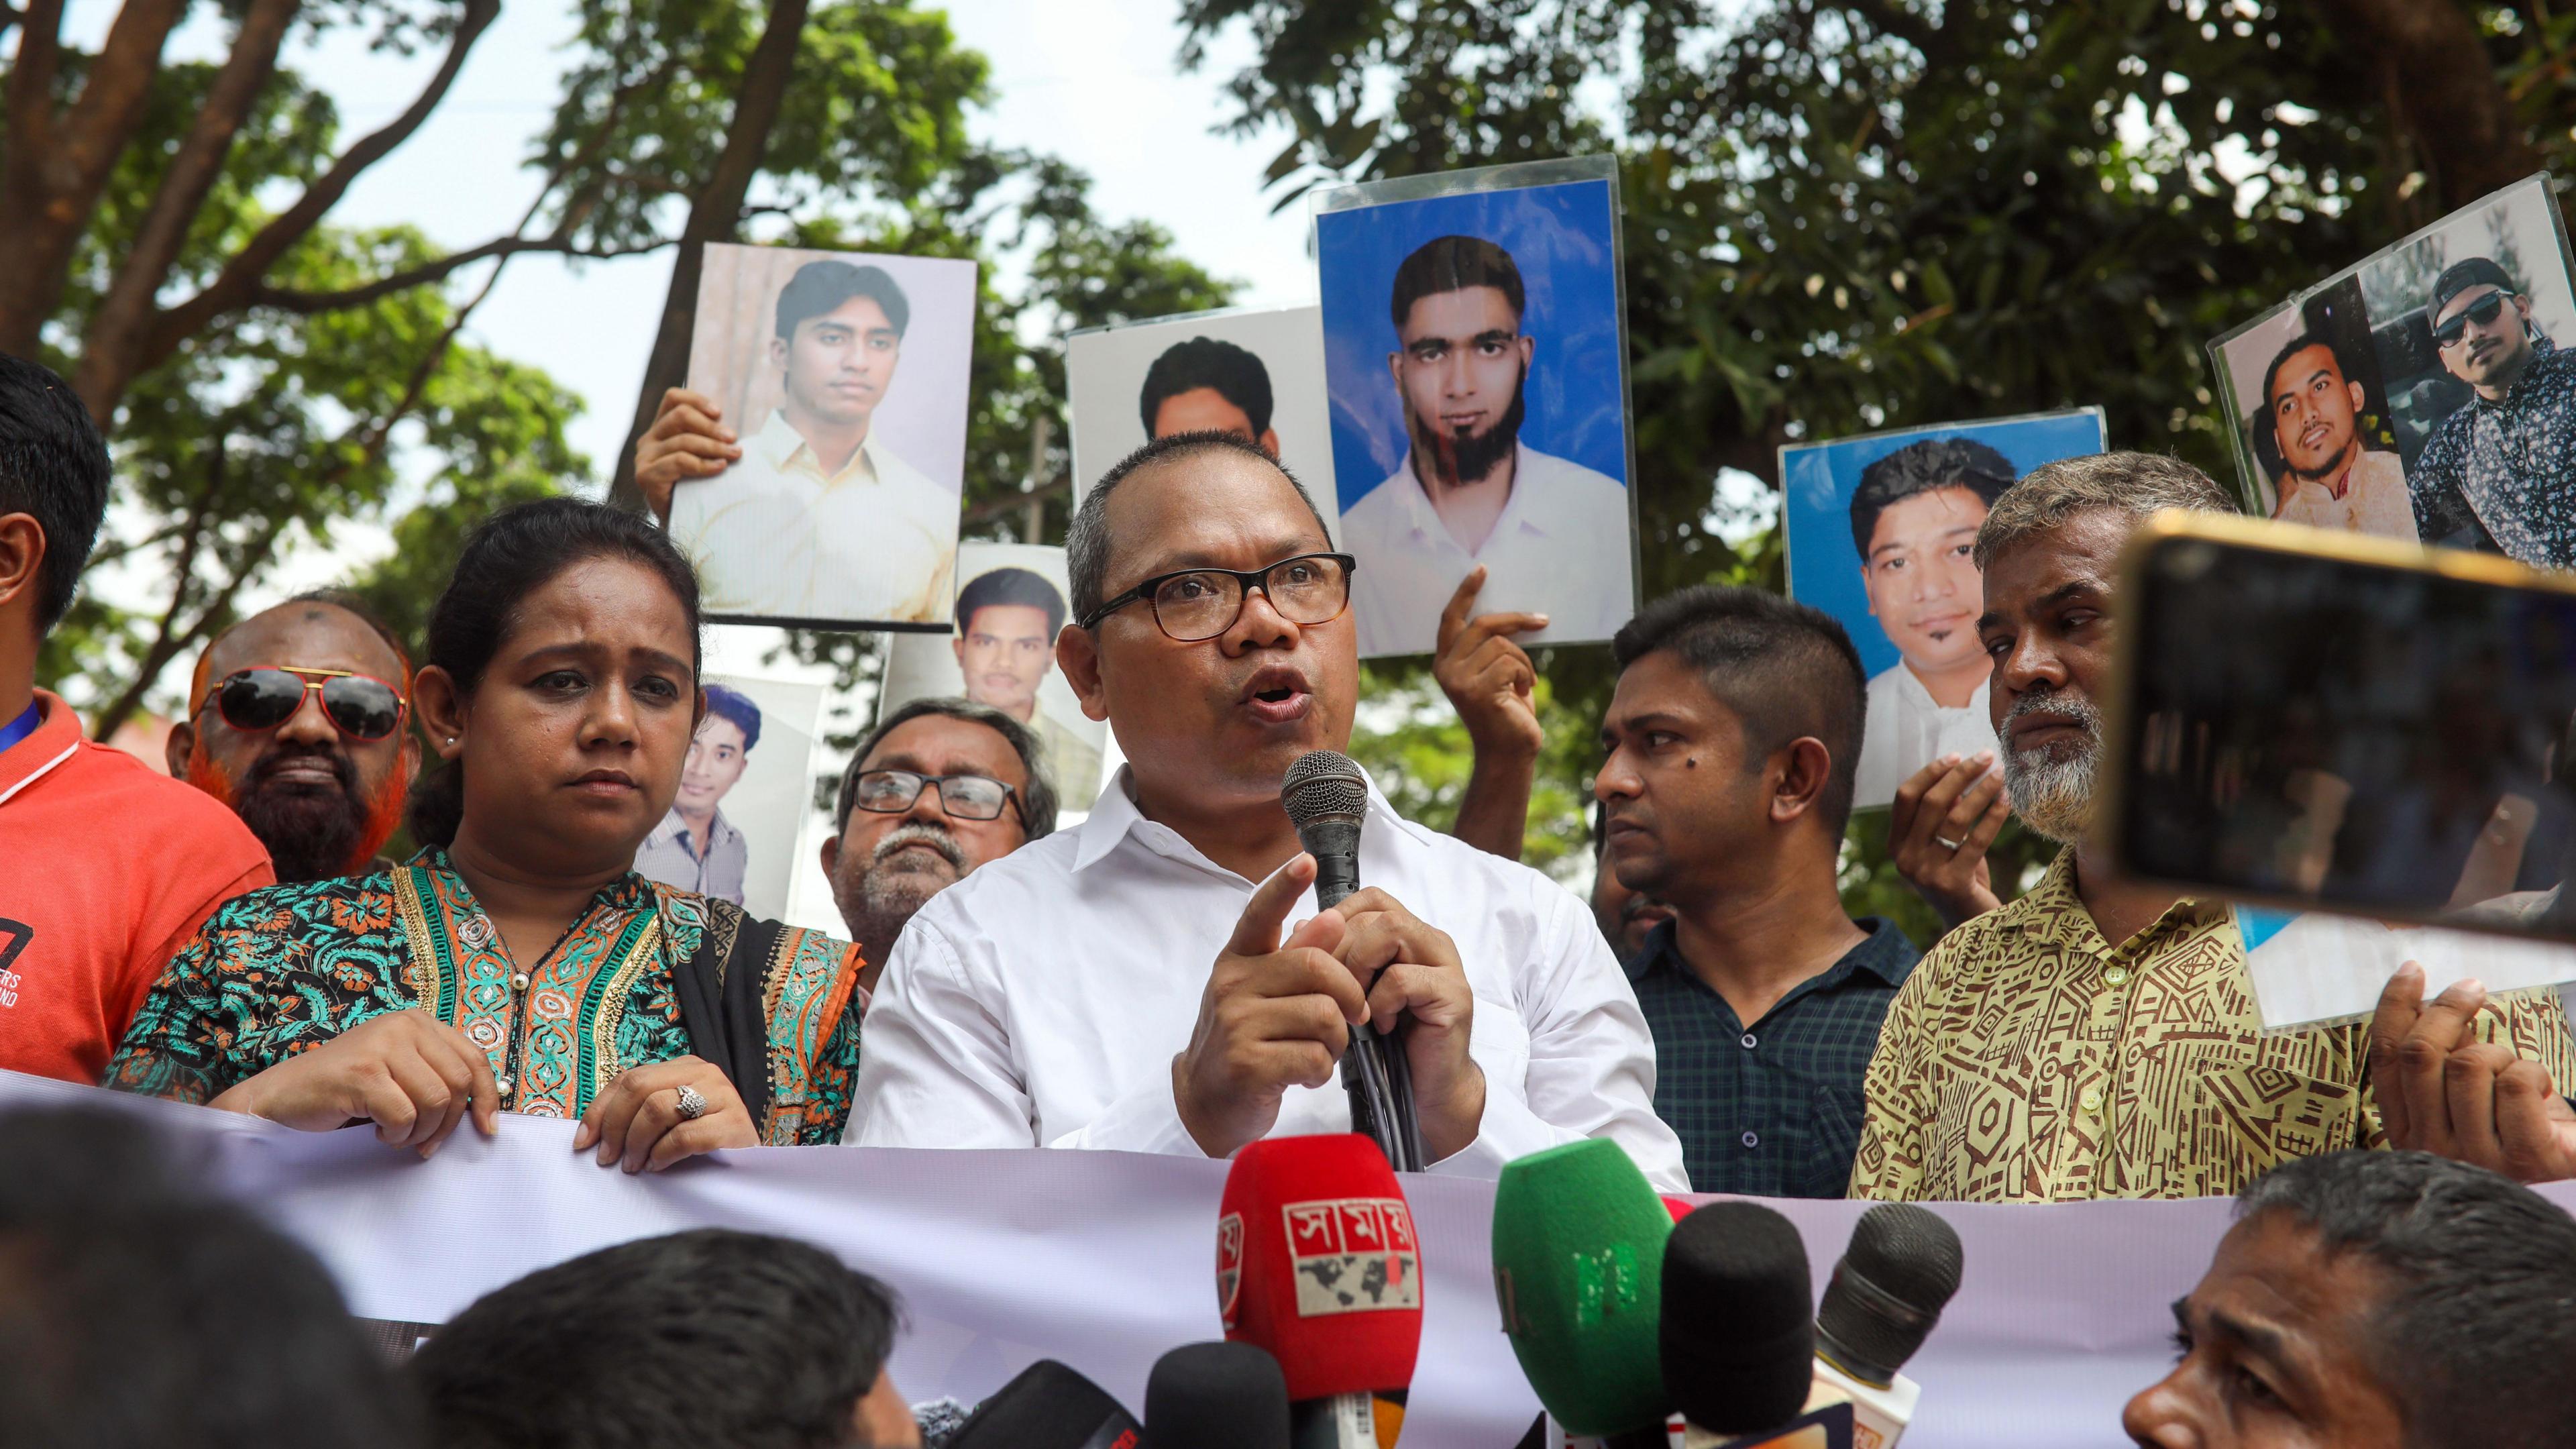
(1423, 521)
(1114, 818)
(777, 444)
(2053, 908)
(1887, 954)
(628, 892)
(57, 737)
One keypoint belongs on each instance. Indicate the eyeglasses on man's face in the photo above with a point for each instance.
(2482, 311)
(1195, 604)
(265, 696)
(968, 797)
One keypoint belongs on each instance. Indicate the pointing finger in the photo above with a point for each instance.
(1257, 932)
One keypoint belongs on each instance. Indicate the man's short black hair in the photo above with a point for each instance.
(1005, 586)
(1086, 539)
(711, 1337)
(819, 288)
(1925, 467)
(136, 1312)
(1453, 264)
(2476, 1337)
(728, 703)
(2293, 348)
(1785, 669)
(53, 467)
(1234, 372)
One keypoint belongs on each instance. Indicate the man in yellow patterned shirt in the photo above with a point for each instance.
(2097, 1038)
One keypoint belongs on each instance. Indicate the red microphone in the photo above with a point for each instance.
(1316, 1262)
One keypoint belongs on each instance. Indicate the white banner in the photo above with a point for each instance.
(1106, 1259)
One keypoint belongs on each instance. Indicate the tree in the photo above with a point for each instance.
(1848, 216)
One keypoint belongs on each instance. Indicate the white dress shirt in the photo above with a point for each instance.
(774, 537)
(1907, 730)
(2374, 499)
(1560, 548)
(1040, 1001)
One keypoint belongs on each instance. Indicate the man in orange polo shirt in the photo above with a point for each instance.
(105, 866)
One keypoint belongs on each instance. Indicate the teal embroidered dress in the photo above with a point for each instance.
(283, 970)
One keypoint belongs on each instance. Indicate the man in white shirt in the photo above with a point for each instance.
(1124, 984)
(2327, 479)
(816, 519)
(1553, 535)
(1914, 518)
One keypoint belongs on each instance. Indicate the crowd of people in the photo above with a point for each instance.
(234, 935)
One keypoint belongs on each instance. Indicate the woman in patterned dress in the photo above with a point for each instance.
(519, 963)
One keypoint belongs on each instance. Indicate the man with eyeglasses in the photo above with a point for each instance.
(106, 865)
(296, 721)
(940, 788)
(2507, 459)
(1127, 984)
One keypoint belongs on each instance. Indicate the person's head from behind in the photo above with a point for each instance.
(53, 496)
(296, 721)
(2481, 323)
(1625, 917)
(1208, 385)
(1732, 741)
(1914, 521)
(719, 752)
(1213, 689)
(2049, 552)
(2313, 408)
(839, 335)
(692, 1341)
(899, 838)
(1461, 360)
(558, 686)
(136, 1314)
(2376, 1300)
(1007, 620)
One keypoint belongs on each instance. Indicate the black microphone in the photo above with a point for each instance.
(1886, 1295)
(1326, 794)
(1049, 1406)
(1217, 1396)
(1737, 1342)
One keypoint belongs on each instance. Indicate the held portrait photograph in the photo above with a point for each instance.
(2422, 394)
(846, 377)
(1001, 653)
(745, 792)
(1256, 373)
(1881, 531)
(1475, 358)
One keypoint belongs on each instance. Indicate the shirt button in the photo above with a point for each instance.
(1752, 1139)
(2117, 976)
(2091, 1101)
(503, 1083)
(1748, 1041)
(520, 982)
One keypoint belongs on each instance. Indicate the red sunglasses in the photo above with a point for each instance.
(268, 695)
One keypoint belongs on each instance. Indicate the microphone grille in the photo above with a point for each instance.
(1738, 1344)
(1898, 1274)
(1323, 785)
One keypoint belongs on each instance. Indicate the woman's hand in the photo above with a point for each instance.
(411, 1074)
(637, 1120)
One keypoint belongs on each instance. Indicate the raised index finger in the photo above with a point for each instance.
(1256, 933)
(1453, 616)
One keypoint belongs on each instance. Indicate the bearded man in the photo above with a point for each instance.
(296, 721)
(2097, 1037)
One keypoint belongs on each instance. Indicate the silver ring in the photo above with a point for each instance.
(692, 1105)
(1947, 844)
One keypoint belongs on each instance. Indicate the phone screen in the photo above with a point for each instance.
(2323, 731)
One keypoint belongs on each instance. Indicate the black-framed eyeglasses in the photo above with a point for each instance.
(968, 797)
(1194, 604)
(2482, 311)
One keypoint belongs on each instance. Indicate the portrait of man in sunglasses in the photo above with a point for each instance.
(296, 721)
(2505, 460)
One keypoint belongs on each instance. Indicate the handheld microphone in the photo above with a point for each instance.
(1737, 1345)
(1886, 1295)
(1326, 795)
(1579, 1269)
(1049, 1406)
(1216, 1396)
(1316, 1262)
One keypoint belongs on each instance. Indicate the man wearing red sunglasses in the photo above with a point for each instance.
(297, 722)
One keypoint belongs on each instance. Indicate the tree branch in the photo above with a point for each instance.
(233, 287)
(308, 303)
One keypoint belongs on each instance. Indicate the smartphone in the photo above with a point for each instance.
(2316, 720)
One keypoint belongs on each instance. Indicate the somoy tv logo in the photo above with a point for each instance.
(1348, 1255)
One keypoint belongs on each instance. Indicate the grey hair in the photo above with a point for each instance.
(1086, 539)
(2138, 484)
(1037, 797)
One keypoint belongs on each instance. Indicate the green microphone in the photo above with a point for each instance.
(1579, 1269)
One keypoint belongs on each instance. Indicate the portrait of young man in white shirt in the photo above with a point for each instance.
(1553, 534)
(1158, 979)
(1914, 522)
(816, 518)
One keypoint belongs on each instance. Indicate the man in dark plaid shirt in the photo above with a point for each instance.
(1732, 743)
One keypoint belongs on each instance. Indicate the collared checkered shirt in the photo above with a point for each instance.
(1774, 1110)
